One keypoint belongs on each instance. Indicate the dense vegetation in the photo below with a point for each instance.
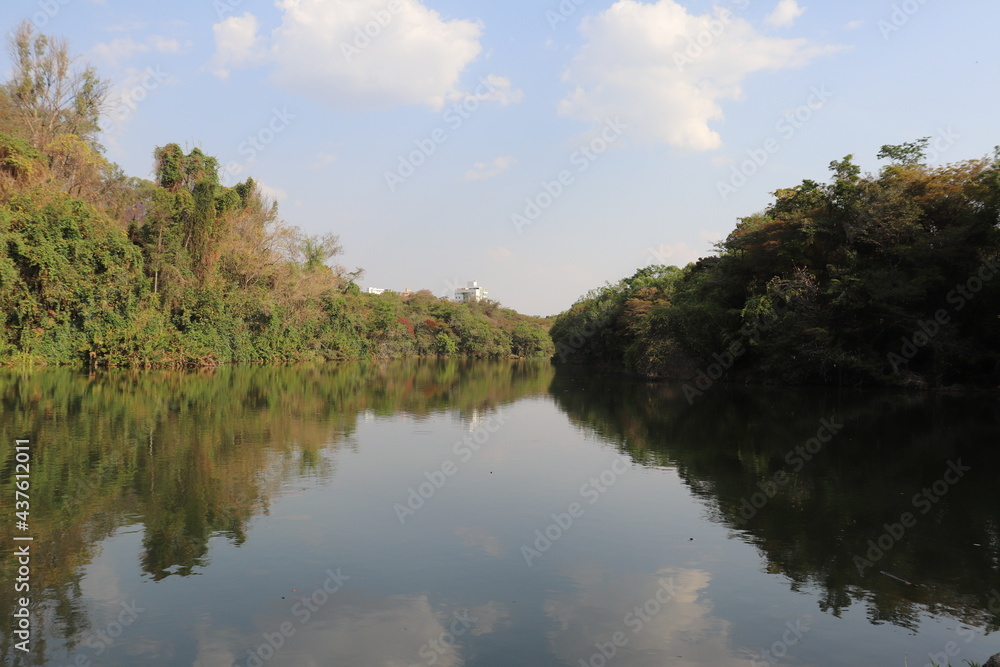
(97, 267)
(887, 279)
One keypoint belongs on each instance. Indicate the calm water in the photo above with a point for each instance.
(505, 514)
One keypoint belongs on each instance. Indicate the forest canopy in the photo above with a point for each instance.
(102, 268)
(884, 279)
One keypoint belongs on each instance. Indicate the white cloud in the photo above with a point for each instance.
(161, 44)
(854, 25)
(710, 236)
(484, 170)
(496, 89)
(636, 64)
(679, 254)
(275, 194)
(125, 100)
(236, 44)
(499, 254)
(785, 13)
(360, 54)
(124, 48)
(323, 160)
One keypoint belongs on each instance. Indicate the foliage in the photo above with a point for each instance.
(874, 279)
(602, 326)
(46, 96)
(203, 275)
(100, 268)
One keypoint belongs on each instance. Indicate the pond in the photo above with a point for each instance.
(493, 514)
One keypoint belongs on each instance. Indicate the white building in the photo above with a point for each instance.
(375, 290)
(471, 293)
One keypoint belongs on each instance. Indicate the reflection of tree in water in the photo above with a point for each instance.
(733, 439)
(194, 456)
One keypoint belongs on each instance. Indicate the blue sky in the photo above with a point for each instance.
(541, 148)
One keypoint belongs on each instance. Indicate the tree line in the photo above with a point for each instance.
(870, 279)
(101, 268)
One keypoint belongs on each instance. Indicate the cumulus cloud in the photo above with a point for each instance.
(649, 64)
(361, 54)
(484, 170)
(237, 44)
(785, 13)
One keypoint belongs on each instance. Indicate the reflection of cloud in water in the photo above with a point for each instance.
(474, 536)
(488, 617)
(351, 629)
(215, 649)
(682, 631)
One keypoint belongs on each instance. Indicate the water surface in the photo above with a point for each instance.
(475, 513)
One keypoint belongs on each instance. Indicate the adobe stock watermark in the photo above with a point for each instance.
(255, 143)
(434, 650)
(941, 143)
(951, 649)
(779, 649)
(102, 640)
(796, 459)
(582, 158)
(436, 479)
(562, 13)
(706, 377)
(969, 634)
(900, 16)
(928, 329)
(47, 10)
(923, 501)
(451, 286)
(635, 620)
(713, 29)
(591, 491)
(453, 118)
(302, 611)
(224, 7)
(121, 108)
(365, 35)
(787, 126)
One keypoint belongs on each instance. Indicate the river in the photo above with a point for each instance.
(448, 513)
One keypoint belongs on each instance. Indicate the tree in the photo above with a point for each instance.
(46, 95)
(907, 154)
(311, 252)
(316, 249)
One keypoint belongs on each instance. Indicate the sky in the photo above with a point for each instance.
(541, 148)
